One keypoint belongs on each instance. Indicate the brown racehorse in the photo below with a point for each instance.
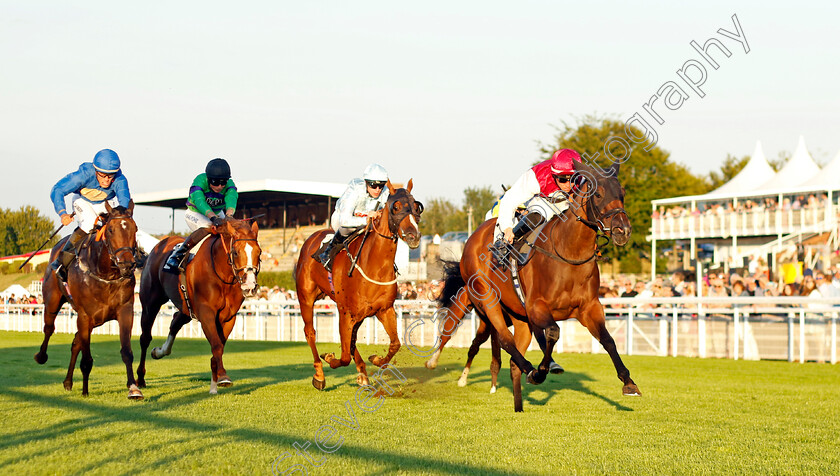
(560, 281)
(218, 279)
(101, 285)
(370, 290)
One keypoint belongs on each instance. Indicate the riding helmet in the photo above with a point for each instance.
(562, 162)
(106, 161)
(375, 173)
(217, 169)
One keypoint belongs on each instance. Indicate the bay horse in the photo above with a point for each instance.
(100, 288)
(366, 289)
(560, 280)
(217, 280)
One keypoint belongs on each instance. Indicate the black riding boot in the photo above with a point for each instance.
(177, 258)
(67, 254)
(501, 249)
(326, 256)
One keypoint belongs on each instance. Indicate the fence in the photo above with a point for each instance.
(793, 329)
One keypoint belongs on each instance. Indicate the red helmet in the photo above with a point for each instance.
(562, 162)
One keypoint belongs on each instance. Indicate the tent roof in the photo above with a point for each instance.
(828, 177)
(15, 289)
(799, 169)
(756, 172)
(252, 193)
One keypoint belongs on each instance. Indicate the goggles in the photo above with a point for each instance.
(375, 184)
(217, 181)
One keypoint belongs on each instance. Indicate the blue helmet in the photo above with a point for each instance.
(106, 161)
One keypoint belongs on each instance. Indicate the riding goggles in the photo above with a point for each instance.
(217, 181)
(375, 184)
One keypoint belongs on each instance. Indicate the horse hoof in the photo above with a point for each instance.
(555, 368)
(376, 360)
(327, 357)
(141, 383)
(492, 390)
(431, 365)
(134, 393)
(224, 381)
(362, 380)
(631, 390)
(41, 358)
(462, 382)
(319, 384)
(535, 377)
(157, 354)
(68, 385)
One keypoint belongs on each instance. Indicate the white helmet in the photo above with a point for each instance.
(375, 173)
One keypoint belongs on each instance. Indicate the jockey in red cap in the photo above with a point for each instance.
(543, 189)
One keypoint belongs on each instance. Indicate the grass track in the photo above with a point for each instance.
(696, 416)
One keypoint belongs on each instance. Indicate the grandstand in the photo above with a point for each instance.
(759, 213)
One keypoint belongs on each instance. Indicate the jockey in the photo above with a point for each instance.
(92, 184)
(212, 197)
(360, 202)
(543, 189)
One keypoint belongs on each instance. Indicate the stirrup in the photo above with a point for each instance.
(173, 262)
(499, 250)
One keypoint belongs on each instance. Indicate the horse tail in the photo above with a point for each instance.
(452, 281)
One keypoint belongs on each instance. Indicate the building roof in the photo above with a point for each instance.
(756, 172)
(798, 170)
(252, 193)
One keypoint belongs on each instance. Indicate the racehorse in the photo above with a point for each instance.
(560, 280)
(362, 287)
(100, 288)
(215, 282)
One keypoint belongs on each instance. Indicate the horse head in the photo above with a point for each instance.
(602, 197)
(243, 250)
(120, 236)
(402, 213)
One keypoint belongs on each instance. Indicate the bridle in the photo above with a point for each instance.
(396, 217)
(125, 272)
(239, 274)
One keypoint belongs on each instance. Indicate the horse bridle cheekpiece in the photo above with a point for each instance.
(240, 274)
(410, 206)
(100, 236)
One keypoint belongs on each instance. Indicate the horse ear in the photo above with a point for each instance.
(108, 207)
(254, 227)
(614, 168)
(130, 207)
(409, 186)
(390, 187)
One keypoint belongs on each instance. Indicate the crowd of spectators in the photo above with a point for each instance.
(793, 202)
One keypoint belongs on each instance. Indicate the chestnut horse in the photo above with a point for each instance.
(219, 277)
(368, 288)
(100, 283)
(560, 281)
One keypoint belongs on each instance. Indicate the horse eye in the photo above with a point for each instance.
(418, 206)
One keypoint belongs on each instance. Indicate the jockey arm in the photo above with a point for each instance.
(84, 182)
(231, 197)
(525, 188)
(356, 207)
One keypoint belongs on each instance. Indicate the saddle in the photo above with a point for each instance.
(516, 256)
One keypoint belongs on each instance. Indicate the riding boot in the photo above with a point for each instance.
(177, 260)
(501, 249)
(68, 254)
(326, 256)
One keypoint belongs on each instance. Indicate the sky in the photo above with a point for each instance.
(453, 94)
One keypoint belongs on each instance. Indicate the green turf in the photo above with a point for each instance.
(696, 416)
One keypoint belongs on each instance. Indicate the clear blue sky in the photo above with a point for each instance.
(453, 94)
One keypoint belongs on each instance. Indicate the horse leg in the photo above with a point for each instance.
(53, 300)
(496, 360)
(388, 318)
(126, 321)
(361, 368)
(75, 347)
(306, 312)
(150, 308)
(481, 336)
(553, 367)
(208, 324)
(179, 320)
(594, 322)
(225, 330)
(522, 337)
(345, 332)
(547, 339)
(454, 315)
(86, 364)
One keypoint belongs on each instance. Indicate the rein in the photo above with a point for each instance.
(229, 253)
(100, 236)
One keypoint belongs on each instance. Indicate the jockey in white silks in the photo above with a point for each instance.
(361, 201)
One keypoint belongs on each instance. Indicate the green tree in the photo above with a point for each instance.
(646, 175)
(442, 215)
(479, 199)
(730, 168)
(23, 230)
